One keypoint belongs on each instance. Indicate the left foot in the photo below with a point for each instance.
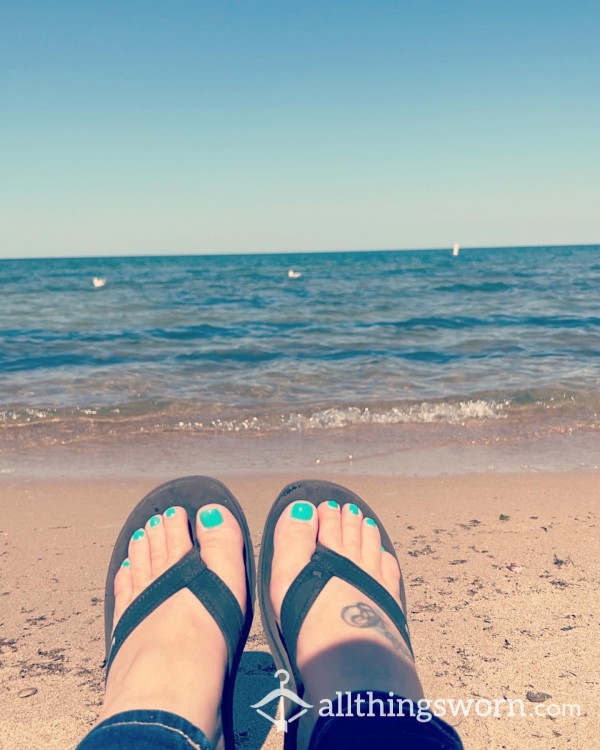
(345, 643)
(175, 660)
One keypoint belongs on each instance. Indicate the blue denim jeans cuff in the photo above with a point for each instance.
(145, 730)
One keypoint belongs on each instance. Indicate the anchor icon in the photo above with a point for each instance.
(280, 721)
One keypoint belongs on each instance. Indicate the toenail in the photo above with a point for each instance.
(353, 509)
(383, 549)
(302, 511)
(333, 504)
(370, 522)
(137, 535)
(125, 563)
(154, 521)
(210, 518)
(170, 512)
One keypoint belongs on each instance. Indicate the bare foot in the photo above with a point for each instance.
(175, 660)
(346, 642)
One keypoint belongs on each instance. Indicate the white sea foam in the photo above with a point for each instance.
(25, 415)
(418, 413)
(252, 424)
(350, 416)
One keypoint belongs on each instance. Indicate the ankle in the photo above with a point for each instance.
(359, 665)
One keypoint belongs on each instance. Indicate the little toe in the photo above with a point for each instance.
(139, 557)
(371, 547)
(222, 548)
(351, 530)
(159, 556)
(294, 542)
(330, 525)
(177, 534)
(123, 587)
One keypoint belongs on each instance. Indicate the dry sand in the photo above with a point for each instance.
(497, 608)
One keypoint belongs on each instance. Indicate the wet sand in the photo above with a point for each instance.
(503, 586)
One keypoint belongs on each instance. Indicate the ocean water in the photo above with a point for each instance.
(494, 344)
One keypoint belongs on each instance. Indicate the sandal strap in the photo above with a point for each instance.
(190, 572)
(324, 565)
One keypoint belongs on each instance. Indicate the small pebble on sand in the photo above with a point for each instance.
(534, 697)
(27, 692)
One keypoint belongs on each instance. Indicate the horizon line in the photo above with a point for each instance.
(239, 253)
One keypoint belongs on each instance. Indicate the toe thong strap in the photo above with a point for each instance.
(306, 587)
(192, 573)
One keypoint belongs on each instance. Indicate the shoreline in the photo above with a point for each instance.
(479, 628)
(391, 451)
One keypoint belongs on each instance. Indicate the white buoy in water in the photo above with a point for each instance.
(294, 274)
(97, 282)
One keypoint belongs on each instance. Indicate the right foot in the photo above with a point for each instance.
(175, 660)
(346, 642)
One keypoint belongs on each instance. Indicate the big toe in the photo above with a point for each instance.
(294, 542)
(222, 547)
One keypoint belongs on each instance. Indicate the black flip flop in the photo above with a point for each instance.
(306, 587)
(191, 493)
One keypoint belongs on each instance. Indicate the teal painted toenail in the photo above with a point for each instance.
(125, 563)
(211, 518)
(154, 521)
(333, 504)
(370, 522)
(170, 512)
(137, 535)
(302, 511)
(383, 549)
(353, 509)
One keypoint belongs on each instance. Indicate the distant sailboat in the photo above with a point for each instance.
(97, 282)
(455, 249)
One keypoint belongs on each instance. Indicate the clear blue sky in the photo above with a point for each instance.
(193, 126)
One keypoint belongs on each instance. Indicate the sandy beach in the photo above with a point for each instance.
(272, 242)
(502, 577)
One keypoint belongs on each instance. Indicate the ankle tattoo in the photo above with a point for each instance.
(362, 615)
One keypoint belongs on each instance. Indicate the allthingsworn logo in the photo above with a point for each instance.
(282, 694)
